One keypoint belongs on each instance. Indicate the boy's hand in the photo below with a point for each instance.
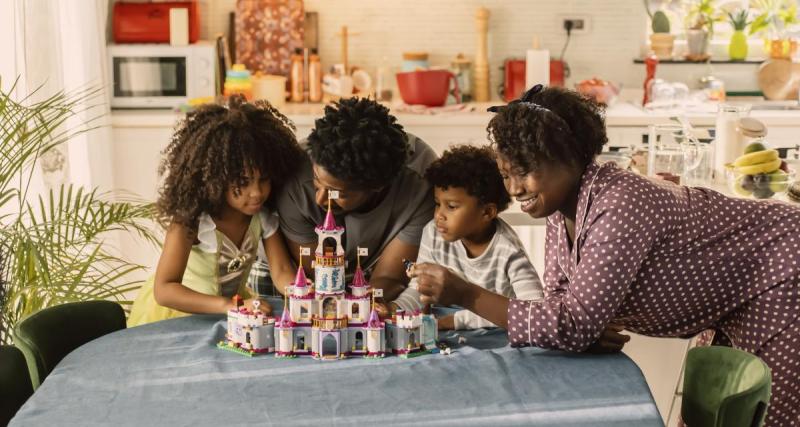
(610, 341)
(255, 304)
(446, 323)
(438, 284)
(385, 310)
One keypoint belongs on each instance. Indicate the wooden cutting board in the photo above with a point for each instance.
(779, 79)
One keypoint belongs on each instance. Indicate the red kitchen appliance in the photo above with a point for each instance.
(149, 22)
(514, 77)
(427, 87)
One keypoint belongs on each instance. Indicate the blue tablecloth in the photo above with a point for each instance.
(171, 373)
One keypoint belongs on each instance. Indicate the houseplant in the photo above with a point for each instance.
(737, 49)
(772, 21)
(700, 21)
(661, 41)
(53, 248)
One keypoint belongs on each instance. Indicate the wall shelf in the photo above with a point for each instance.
(713, 61)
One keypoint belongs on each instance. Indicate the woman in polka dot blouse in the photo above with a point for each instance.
(623, 250)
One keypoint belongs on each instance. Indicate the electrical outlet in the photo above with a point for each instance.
(581, 24)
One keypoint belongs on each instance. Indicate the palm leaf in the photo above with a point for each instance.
(54, 247)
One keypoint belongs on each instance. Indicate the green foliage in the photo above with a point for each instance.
(52, 247)
(702, 14)
(773, 15)
(660, 22)
(738, 20)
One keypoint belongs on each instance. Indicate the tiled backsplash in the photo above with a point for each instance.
(446, 27)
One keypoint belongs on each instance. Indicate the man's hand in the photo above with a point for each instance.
(610, 341)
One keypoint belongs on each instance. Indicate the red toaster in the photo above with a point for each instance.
(149, 22)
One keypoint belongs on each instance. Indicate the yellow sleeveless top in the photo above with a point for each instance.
(215, 267)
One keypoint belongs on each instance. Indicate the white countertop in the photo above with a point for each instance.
(620, 114)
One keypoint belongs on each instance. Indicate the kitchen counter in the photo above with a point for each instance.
(620, 114)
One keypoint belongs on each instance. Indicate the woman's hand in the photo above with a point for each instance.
(610, 341)
(438, 284)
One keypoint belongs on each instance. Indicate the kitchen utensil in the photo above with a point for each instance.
(601, 91)
(514, 79)
(779, 79)
(413, 61)
(149, 22)
(728, 144)
(667, 148)
(651, 62)
(462, 68)
(428, 87)
(270, 88)
(481, 55)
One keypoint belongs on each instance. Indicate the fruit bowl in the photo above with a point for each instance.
(761, 186)
(759, 173)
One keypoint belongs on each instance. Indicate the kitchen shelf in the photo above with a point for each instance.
(713, 61)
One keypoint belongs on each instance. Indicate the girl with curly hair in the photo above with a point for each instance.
(625, 251)
(218, 173)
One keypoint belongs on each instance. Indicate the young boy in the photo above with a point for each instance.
(467, 237)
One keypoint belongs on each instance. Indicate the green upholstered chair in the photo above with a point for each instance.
(45, 337)
(726, 387)
(15, 382)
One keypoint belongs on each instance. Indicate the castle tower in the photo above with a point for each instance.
(301, 299)
(284, 331)
(329, 274)
(358, 307)
(376, 339)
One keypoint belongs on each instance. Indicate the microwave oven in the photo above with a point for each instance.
(160, 75)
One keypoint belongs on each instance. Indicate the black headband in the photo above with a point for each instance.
(523, 100)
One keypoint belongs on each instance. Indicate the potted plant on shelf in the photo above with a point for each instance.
(700, 18)
(53, 246)
(661, 41)
(737, 49)
(773, 21)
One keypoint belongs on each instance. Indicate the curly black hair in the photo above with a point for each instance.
(215, 148)
(473, 169)
(549, 124)
(359, 142)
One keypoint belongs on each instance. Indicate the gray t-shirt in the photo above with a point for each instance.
(403, 212)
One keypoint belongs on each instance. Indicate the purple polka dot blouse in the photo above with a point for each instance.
(663, 260)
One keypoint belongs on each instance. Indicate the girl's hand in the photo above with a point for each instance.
(439, 285)
(255, 304)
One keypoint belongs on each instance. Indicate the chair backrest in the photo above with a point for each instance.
(723, 386)
(15, 382)
(45, 337)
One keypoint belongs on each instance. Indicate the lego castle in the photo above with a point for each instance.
(324, 320)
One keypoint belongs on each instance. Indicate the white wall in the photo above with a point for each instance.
(446, 27)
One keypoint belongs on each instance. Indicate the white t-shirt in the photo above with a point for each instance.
(503, 268)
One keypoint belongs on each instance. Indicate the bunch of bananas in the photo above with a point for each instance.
(759, 172)
(764, 161)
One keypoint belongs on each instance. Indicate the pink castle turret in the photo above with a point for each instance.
(374, 320)
(300, 280)
(285, 321)
(330, 223)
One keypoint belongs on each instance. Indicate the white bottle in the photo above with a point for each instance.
(727, 139)
(537, 66)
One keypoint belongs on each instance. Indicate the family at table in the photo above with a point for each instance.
(623, 252)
